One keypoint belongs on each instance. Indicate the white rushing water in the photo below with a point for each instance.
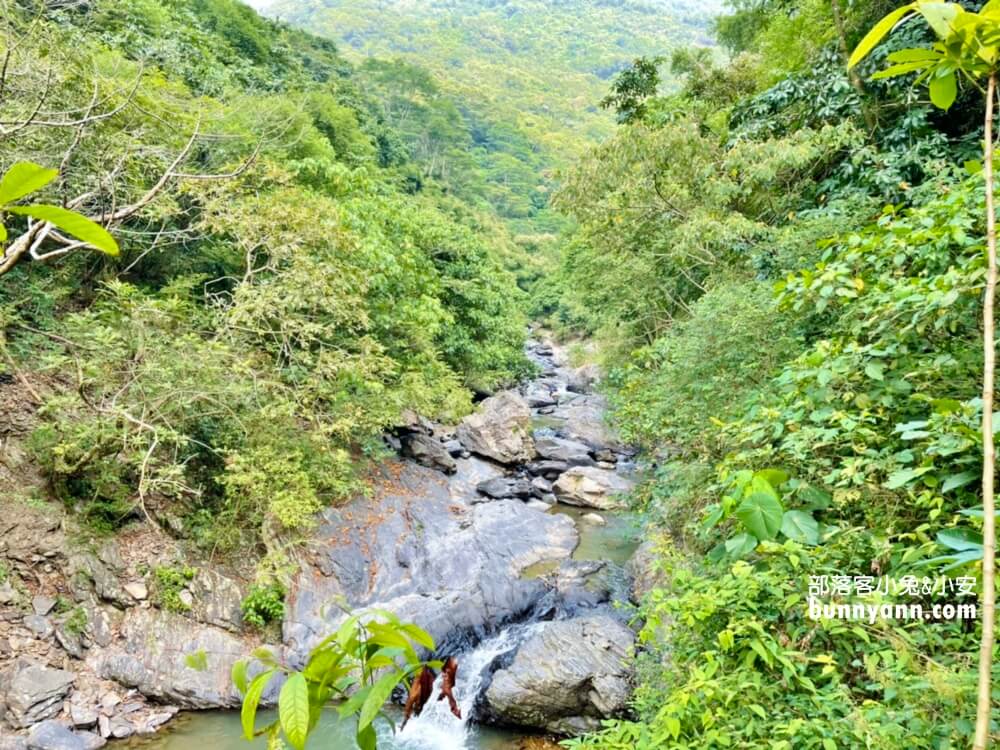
(437, 728)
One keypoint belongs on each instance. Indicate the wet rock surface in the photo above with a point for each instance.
(447, 564)
(151, 656)
(566, 677)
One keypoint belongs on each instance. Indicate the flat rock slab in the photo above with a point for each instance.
(429, 557)
(51, 735)
(571, 452)
(501, 487)
(591, 487)
(33, 692)
(151, 656)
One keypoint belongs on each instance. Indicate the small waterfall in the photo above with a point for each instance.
(436, 728)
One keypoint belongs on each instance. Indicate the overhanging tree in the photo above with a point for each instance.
(967, 49)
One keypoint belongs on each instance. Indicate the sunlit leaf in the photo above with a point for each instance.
(960, 539)
(761, 515)
(293, 710)
(22, 179)
(72, 223)
(800, 527)
(943, 91)
(877, 33)
(251, 700)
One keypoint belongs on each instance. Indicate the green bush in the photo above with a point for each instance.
(170, 581)
(263, 605)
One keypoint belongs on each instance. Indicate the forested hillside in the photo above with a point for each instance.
(523, 78)
(284, 289)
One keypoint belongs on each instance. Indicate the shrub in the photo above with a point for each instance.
(264, 604)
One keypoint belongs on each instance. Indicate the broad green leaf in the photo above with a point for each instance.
(673, 726)
(293, 710)
(366, 738)
(354, 703)
(239, 676)
(814, 498)
(954, 481)
(913, 54)
(800, 527)
(904, 476)
(3, 233)
(960, 539)
(741, 544)
(940, 16)
(761, 514)
(894, 71)
(264, 655)
(419, 635)
(248, 714)
(977, 512)
(877, 32)
(717, 552)
(322, 664)
(951, 562)
(377, 697)
(22, 179)
(715, 514)
(875, 370)
(943, 90)
(759, 485)
(774, 477)
(72, 223)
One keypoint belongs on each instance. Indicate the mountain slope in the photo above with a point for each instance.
(545, 62)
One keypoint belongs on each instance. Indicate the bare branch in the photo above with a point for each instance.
(85, 120)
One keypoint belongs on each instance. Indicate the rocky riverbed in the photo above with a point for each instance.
(460, 534)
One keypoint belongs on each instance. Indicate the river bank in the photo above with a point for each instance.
(499, 536)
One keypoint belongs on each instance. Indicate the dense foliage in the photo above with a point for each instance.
(358, 667)
(283, 291)
(505, 93)
(786, 264)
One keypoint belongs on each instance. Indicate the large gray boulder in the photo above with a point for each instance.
(32, 692)
(571, 452)
(12, 741)
(151, 656)
(583, 379)
(51, 735)
(428, 451)
(217, 599)
(566, 677)
(591, 487)
(584, 421)
(539, 394)
(501, 487)
(428, 555)
(500, 429)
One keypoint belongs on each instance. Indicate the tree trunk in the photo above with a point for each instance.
(984, 702)
(852, 74)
